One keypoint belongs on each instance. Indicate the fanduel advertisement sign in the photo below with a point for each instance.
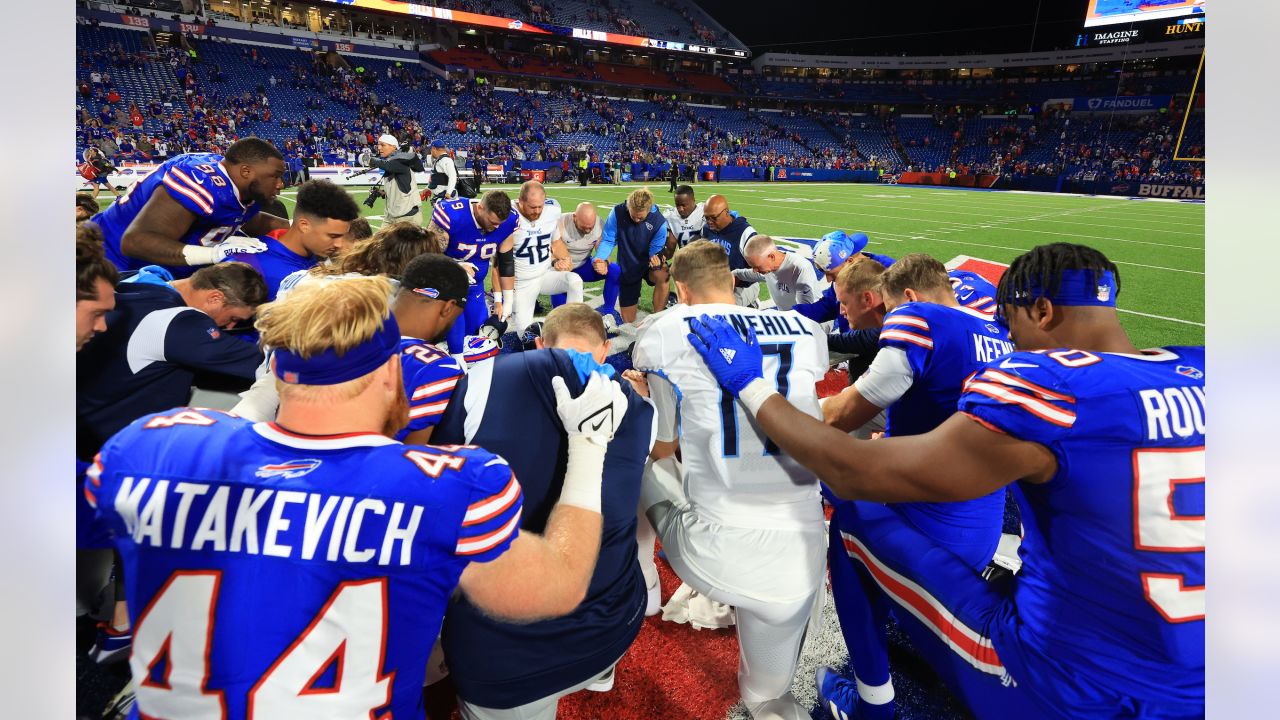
(1134, 103)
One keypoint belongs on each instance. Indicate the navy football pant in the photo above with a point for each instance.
(473, 316)
(589, 274)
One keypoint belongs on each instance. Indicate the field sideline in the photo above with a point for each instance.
(1158, 246)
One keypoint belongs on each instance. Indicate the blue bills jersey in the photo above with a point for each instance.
(198, 182)
(503, 665)
(1112, 582)
(270, 574)
(943, 347)
(277, 262)
(467, 241)
(430, 375)
(973, 291)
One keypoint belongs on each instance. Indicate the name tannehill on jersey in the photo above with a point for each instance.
(767, 325)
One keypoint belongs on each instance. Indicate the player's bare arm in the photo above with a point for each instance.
(263, 223)
(849, 410)
(154, 234)
(560, 251)
(419, 437)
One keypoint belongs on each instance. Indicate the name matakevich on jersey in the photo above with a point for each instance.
(298, 525)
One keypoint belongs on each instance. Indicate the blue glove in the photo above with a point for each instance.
(734, 361)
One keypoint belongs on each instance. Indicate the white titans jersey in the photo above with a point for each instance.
(732, 474)
(533, 241)
(685, 229)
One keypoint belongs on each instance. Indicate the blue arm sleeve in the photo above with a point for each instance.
(824, 309)
(659, 240)
(609, 238)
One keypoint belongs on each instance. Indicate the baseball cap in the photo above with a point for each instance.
(388, 139)
(836, 247)
(437, 143)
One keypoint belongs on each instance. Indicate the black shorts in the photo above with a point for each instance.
(628, 292)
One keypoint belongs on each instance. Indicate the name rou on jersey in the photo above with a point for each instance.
(768, 324)
(987, 348)
(1173, 413)
(263, 521)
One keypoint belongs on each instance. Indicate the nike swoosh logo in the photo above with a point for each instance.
(605, 415)
(1009, 365)
(598, 425)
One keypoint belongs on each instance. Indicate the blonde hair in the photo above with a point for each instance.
(918, 271)
(702, 265)
(574, 319)
(862, 274)
(640, 199)
(317, 316)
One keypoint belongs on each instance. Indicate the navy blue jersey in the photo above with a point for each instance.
(636, 242)
(1112, 582)
(277, 262)
(973, 291)
(732, 238)
(507, 405)
(430, 376)
(199, 183)
(270, 574)
(467, 242)
(148, 358)
(944, 346)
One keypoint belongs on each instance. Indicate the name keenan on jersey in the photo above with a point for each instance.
(533, 241)
(198, 182)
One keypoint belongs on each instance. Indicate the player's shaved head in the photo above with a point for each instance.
(584, 217)
(716, 212)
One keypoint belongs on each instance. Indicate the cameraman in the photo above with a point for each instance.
(401, 192)
(444, 174)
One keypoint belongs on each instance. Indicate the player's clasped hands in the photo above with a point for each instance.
(733, 360)
(594, 414)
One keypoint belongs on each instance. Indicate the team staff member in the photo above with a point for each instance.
(639, 232)
(319, 231)
(507, 671)
(581, 231)
(444, 173)
(791, 278)
(731, 232)
(184, 212)
(402, 201)
(160, 335)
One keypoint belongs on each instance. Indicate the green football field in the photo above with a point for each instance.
(1158, 246)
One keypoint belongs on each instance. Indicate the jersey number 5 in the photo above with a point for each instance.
(173, 639)
(729, 406)
(1157, 526)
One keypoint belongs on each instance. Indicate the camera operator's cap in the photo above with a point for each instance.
(388, 139)
(437, 144)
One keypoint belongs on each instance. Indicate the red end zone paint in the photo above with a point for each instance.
(988, 269)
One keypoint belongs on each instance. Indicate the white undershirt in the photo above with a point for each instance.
(888, 378)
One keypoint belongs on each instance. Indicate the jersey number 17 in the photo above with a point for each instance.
(729, 406)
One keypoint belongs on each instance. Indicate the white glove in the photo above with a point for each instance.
(471, 271)
(200, 255)
(508, 304)
(596, 413)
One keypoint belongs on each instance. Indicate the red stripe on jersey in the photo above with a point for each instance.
(1006, 379)
(1039, 408)
(178, 188)
(907, 320)
(971, 646)
(191, 183)
(90, 497)
(484, 543)
(494, 505)
(905, 336)
(435, 388)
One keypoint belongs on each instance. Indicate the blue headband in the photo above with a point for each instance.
(330, 368)
(1077, 287)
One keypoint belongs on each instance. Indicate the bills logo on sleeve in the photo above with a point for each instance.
(291, 469)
